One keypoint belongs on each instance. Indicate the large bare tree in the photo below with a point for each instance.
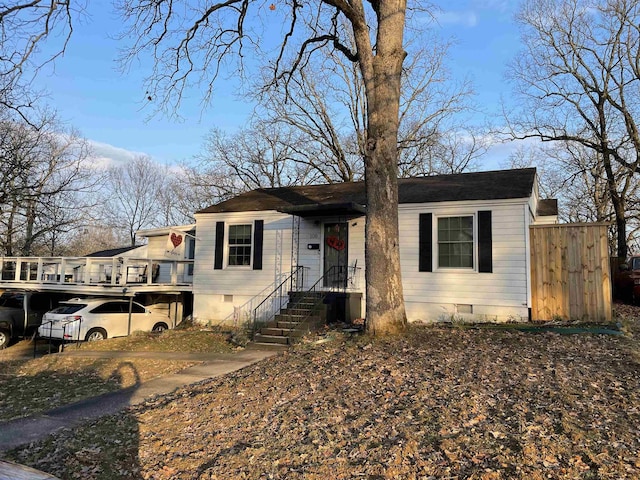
(575, 175)
(578, 81)
(257, 156)
(194, 42)
(24, 26)
(324, 108)
(133, 196)
(43, 181)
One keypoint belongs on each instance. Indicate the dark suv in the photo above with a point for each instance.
(21, 313)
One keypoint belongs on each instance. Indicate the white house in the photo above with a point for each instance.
(464, 247)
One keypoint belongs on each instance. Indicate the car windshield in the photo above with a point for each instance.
(635, 265)
(11, 300)
(68, 309)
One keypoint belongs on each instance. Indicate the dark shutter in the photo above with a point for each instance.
(485, 255)
(217, 260)
(258, 230)
(425, 240)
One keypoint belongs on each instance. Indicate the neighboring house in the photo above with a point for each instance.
(157, 245)
(134, 273)
(464, 246)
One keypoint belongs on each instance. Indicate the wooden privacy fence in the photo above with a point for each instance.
(570, 278)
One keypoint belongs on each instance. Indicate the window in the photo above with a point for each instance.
(455, 242)
(191, 254)
(68, 309)
(10, 300)
(137, 308)
(239, 245)
(111, 307)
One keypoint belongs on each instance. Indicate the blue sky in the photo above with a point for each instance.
(107, 106)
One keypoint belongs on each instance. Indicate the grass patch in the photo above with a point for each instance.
(185, 339)
(33, 386)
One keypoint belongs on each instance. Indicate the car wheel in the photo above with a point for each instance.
(160, 327)
(96, 334)
(5, 338)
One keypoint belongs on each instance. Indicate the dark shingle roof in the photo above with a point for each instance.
(112, 252)
(494, 185)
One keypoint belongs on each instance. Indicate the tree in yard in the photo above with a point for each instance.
(575, 175)
(43, 182)
(579, 82)
(193, 188)
(24, 26)
(320, 119)
(196, 41)
(258, 156)
(192, 45)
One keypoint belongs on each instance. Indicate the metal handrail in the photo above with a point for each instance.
(345, 279)
(269, 306)
(64, 329)
(50, 322)
(245, 311)
(319, 287)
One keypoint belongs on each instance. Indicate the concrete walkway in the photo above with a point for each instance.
(24, 430)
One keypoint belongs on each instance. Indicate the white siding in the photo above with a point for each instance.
(217, 293)
(497, 296)
(156, 246)
(356, 249)
(430, 296)
(238, 284)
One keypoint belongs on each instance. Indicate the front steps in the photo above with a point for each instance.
(304, 313)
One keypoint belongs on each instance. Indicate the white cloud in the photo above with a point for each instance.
(105, 155)
(498, 156)
(502, 6)
(464, 18)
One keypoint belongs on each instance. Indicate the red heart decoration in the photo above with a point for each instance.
(335, 242)
(176, 240)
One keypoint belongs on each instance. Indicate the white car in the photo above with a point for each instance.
(99, 318)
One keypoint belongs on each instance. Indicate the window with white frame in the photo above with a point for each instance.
(239, 242)
(455, 242)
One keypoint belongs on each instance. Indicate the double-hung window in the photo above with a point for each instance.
(239, 245)
(455, 242)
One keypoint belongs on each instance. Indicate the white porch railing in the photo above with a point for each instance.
(96, 271)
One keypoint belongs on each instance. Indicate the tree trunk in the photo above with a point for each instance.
(30, 217)
(10, 226)
(382, 75)
(617, 201)
(385, 301)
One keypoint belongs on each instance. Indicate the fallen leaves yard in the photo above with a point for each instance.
(437, 403)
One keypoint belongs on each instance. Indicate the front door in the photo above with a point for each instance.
(335, 254)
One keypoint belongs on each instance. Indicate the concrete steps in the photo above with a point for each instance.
(305, 312)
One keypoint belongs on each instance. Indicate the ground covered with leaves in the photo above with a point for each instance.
(436, 403)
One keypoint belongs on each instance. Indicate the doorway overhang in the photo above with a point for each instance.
(348, 210)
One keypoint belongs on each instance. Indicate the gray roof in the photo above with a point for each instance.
(111, 252)
(494, 185)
